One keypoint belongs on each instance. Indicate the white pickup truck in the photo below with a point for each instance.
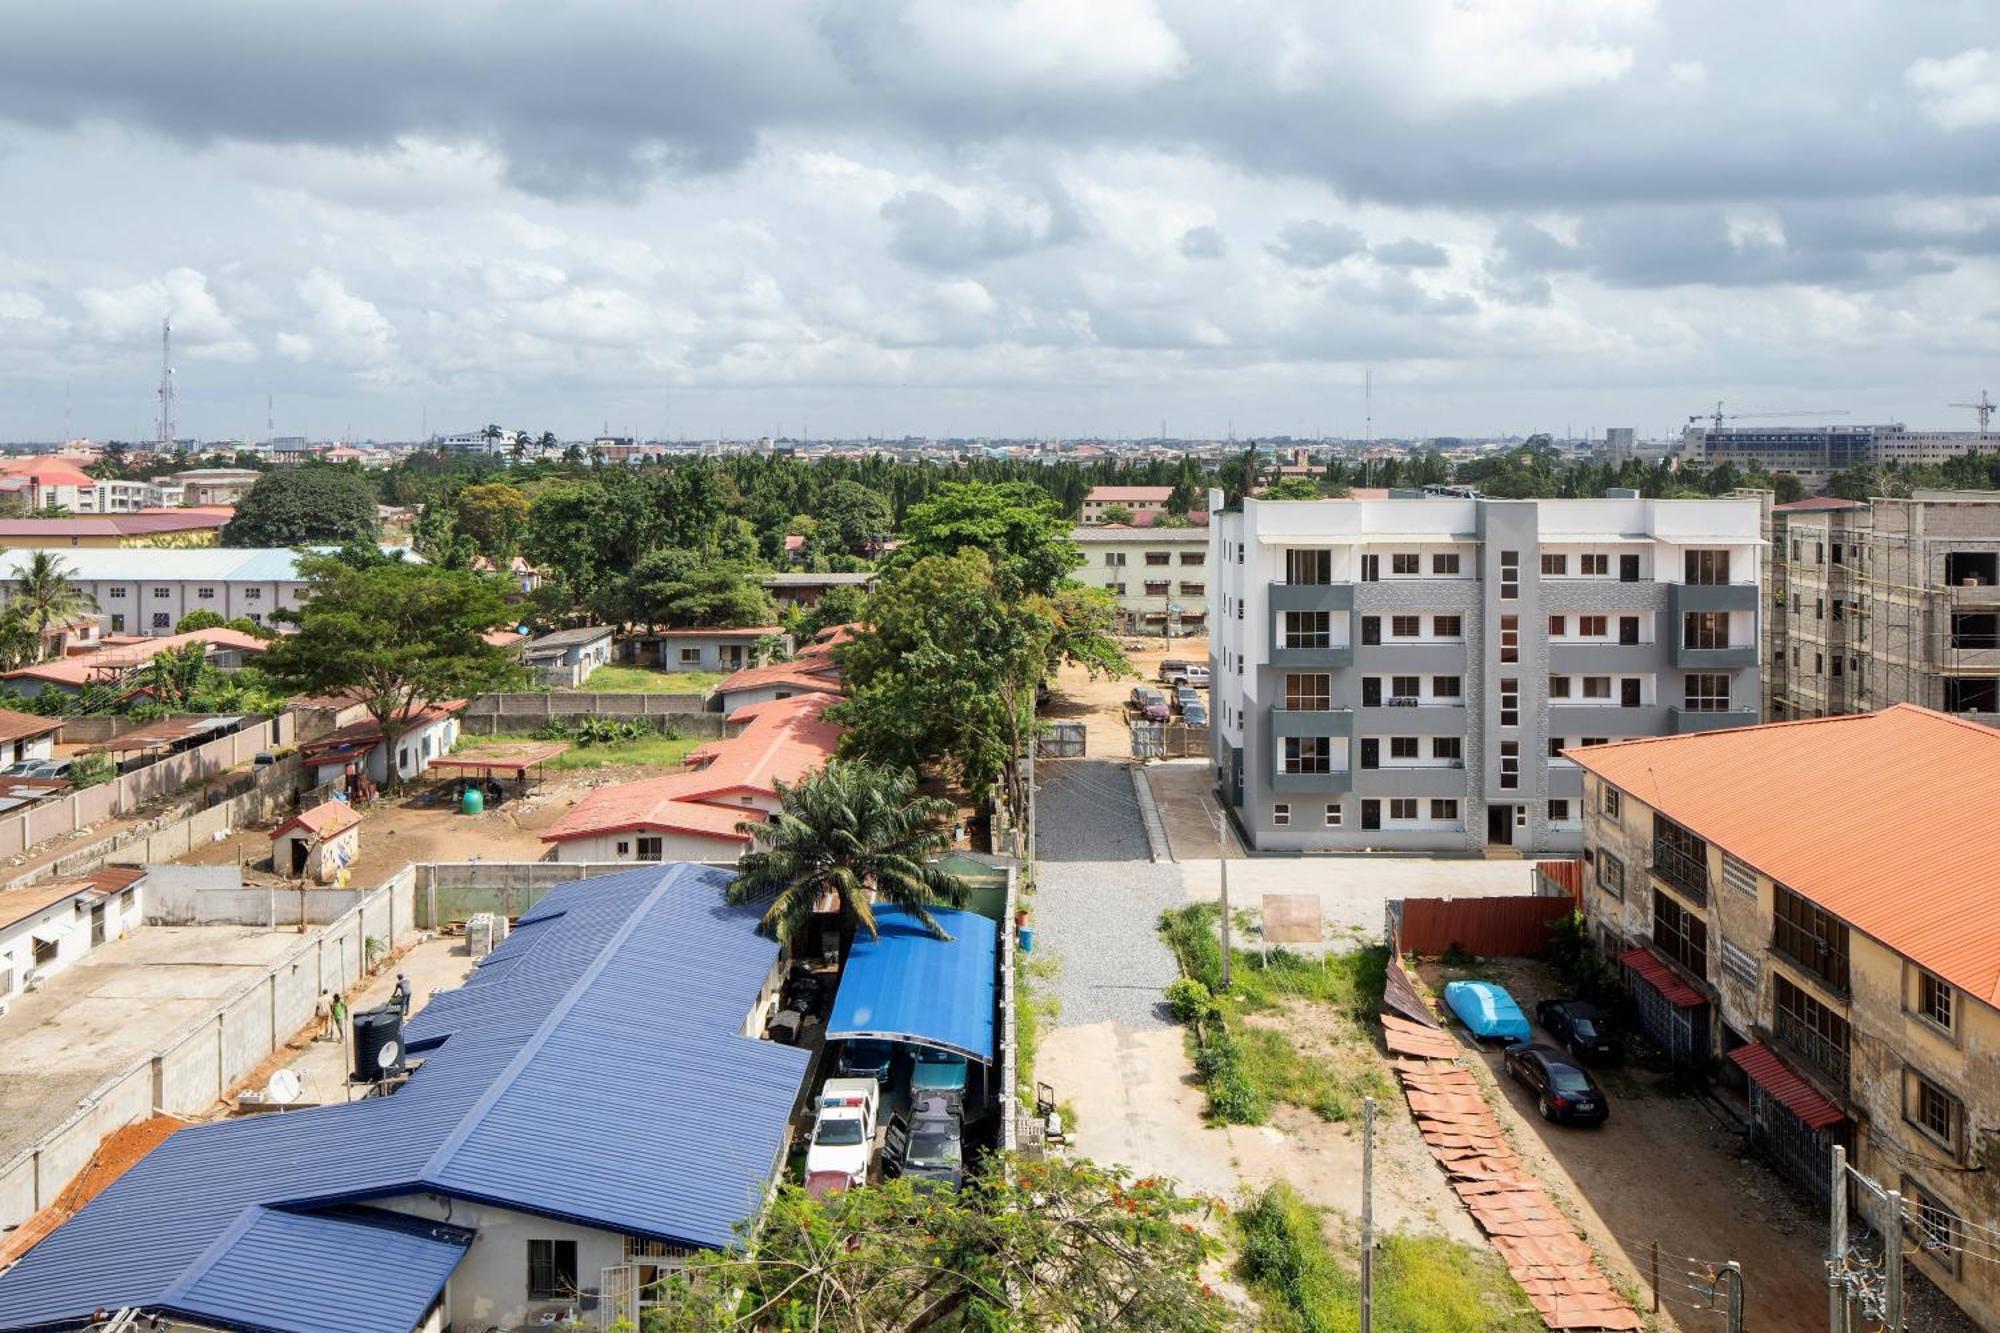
(843, 1138)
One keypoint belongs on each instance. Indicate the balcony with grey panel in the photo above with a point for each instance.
(1411, 780)
(1687, 720)
(1312, 597)
(1336, 600)
(1628, 658)
(1311, 722)
(1686, 597)
(1714, 659)
(1426, 658)
(1420, 720)
(1335, 783)
(1580, 720)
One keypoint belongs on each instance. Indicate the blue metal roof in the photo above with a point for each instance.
(593, 1069)
(909, 985)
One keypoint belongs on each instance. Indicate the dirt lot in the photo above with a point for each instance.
(1100, 704)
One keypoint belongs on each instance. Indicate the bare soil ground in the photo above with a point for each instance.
(1100, 704)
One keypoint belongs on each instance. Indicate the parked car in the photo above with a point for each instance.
(843, 1137)
(1195, 714)
(865, 1058)
(1149, 704)
(1580, 1027)
(49, 768)
(1488, 1010)
(22, 769)
(1185, 695)
(1564, 1090)
(938, 1074)
(929, 1149)
(1176, 672)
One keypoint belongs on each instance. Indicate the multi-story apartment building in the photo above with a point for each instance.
(1814, 453)
(146, 592)
(1891, 601)
(1405, 674)
(1158, 576)
(1808, 907)
(1142, 502)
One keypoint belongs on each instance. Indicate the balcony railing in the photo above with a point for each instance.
(1824, 1056)
(1682, 869)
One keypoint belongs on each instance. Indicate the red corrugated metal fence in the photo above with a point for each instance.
(1480, 925)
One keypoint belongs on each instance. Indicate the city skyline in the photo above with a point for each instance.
(956, 218)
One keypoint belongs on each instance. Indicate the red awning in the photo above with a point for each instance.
(1796, 1095)
(1661, 978)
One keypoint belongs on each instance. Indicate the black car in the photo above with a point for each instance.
(1579, 1025)
(1563, 1089)
(864, 1057)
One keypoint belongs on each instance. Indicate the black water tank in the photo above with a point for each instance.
(378, 1043)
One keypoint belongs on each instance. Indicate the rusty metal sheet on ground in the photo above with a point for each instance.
(1292, 918)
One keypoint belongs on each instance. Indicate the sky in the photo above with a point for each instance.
(996, 217)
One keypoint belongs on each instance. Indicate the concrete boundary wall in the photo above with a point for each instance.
(196, 1069)
(545, 704)
(700, 726)
(454, 890)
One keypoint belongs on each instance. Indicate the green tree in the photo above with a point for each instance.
(173, 676)
(203, 618)
(849, 514)
(841, 604)
(46, 595)
(1117, 514)
(685, 589)
(494, 514)
(1291, 488)
(316, 504)
(20, 641)
(1021, 529)
(855, 832)
(1058, 1243)
(399, 636)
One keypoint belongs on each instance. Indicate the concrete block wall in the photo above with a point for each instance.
(542, 705)
(455, 890)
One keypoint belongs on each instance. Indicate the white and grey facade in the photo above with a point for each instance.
(1403, 674)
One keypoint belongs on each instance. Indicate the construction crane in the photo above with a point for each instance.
(1718, 416)
(1984, 407)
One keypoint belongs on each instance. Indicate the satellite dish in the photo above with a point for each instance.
(386, 1057)
(284, 1088)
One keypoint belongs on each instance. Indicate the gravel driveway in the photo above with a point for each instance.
(1100, 897)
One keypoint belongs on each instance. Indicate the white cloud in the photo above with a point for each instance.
(1505, 51)
(202, 331)
(346, 330)
(1960, 92)
(1110, 45)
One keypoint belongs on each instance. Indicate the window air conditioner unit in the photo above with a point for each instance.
(1403, 701)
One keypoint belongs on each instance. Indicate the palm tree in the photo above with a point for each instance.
(47, 596)
(853, 833)
(20, 644)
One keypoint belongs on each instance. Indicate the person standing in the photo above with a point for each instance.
(340, 1018)
(322, 1015)
(402, 995)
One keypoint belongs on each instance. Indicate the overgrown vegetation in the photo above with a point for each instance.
(651, 749)
(1423, 1284)
(592, 729)
(88, 770)
(1031, 1007)
(1247, 1040)
(1583, 970)
(614, 679)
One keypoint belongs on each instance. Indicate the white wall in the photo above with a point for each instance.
(490, 1287)
(123, 912)
(674, 847)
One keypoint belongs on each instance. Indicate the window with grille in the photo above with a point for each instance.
(1406, 687)
(1308, 693)
(1680, 858)
(1809, 936)
(1447, 687)
(1814, 1032)
(1447, 627)
(1934, 1000)
(551, 1270)
(1308, 754)
(1680, 934)
(1614, 800)
(1929, 1107)
(1308, 629)
(1554, 566)
(1938, 1231)
(1406, 627)
(1159, 557)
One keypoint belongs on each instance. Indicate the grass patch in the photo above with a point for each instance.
(612, 679)
(1423, 1284)
(1030, 1008)
(1263, 1041)
(654, 750)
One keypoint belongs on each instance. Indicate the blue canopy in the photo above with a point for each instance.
(911, 986)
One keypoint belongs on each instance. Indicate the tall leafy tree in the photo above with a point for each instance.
(1020, 528)
(399, 636)
(848, 514)
(317, 504)
(494, 514)
(686, 589)
(856, 833)
(48, 597)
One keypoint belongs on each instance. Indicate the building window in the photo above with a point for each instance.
(1194, 557)
(1406, 687)
(1402, 747)
(1935, 1111)
(1308, 754)
(1333, 815)
(1594, 566)
(1680, 934)
(1308, 629)
(1558, 626)
(1159, 557)
(1444, 562)
(1597, 687)
(1308, 693)
(1809, 937)
(1447, 627)
(1447, 687)
(1680, 858)
(1403, 807)
(1938, 1230)
(205, 594)
(1193, 589)
(1510, 575)
(161, 620)
(1707, 693)
(650, 849)
(1510, 638)
(551, 1270)
(1555, 747)
(1710, 568)
(1510, 765)
(117, 594)
(1559, 810)
(1405, 562)
(1309, 567)
(161, 593)
(1406, 627)
(1510, 701)
(1448, 747)
(1554, 566)
(1705, 629)
(690, 657)
(1817, 1034)
(1157, 587)
(1592, 627)
(1614, 802)
(1114, 558)
(1934, 1000)
(1445, 811)
(1558, 687)
(1281, 815)
(253, 594)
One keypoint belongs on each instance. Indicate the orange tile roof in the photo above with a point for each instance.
(1880, 818)
(814, 673)
(785, 740)
(107, 663)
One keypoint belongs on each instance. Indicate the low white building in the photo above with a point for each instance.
(147, 591)
(46, 927)
(357, 750)
(24, 736)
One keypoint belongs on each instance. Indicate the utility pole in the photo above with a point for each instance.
(166, 386)
(1733, 1312)
(1892, 1263)
(1836, 1288)
(1367, 1215)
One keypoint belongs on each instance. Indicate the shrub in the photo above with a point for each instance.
(1189, 999)
(588, 731)
(88, 770)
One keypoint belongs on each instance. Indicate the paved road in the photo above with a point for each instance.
(1101, 897)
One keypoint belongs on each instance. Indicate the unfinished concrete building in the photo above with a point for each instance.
(1884, 602)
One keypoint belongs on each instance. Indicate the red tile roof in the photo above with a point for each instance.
(21, 726)
(814, 673)
(786, 739)
(326, 820)
(109, 663)
(1883, 821)
(111, 525)
(1662, 978)
(1799, 1097)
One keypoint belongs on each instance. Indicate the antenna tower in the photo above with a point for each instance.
(1368, 401)
(166, 445)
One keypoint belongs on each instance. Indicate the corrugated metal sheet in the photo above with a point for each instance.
(909, 985)
(1884, 819)
(1799, 1097)
(1661, 978)
(594, 1070)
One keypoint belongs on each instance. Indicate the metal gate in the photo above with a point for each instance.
(1680, 1031)
(1065, 740)
(1801, 1154)
(1168, 740)
(618, 1298)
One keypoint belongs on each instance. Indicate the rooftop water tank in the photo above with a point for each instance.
(378, 1043)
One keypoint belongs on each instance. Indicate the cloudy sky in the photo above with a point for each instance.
(979, 217)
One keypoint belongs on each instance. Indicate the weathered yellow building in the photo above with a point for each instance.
(175, 530)
(1812, 911)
